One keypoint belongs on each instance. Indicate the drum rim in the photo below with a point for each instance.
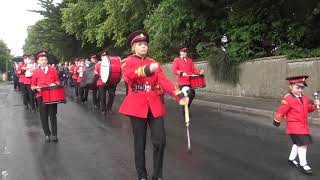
(110, 70)
(55, 102)
(52, 87)
(196, 76)
(199, 87)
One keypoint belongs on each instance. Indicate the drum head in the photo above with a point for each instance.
(105, 69)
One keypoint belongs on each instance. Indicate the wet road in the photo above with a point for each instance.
(225, 145)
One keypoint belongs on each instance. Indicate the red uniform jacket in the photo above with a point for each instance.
(187, 66)
(26, 80)
(296, 114)
(41, 79)
(76, 69)
(20, 72)
(73, 72)
(139, 102)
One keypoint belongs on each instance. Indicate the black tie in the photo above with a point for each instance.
(44, 70)
(300, 97)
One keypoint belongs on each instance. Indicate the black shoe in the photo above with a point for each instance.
(47, 139)
(293, 163)
(306, 169)
(55, 139)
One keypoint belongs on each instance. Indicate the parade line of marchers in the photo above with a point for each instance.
(43, 85)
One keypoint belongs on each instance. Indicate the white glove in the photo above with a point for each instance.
(153, 67)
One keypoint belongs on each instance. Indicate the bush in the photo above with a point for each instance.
(222, 67)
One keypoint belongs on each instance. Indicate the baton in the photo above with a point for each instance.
(187, 119)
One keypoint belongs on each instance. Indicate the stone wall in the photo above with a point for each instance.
(263, 78)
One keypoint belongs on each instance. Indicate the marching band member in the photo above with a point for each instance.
(74, 76)
(183, 67)
(94, 87)
(18, 73)
(23, 79)
(83, 90)
(65, 74)
(103, 88)
(295, 107)
(15, 77)
(43, 77)
(143, 104)
(29, 67)
(21, 75)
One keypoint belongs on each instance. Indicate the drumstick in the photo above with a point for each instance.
(187, 119)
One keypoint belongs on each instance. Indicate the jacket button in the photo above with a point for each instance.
(147, 82)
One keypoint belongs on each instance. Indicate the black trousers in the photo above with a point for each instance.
(25, 94)
(16, 83)
(76, 87)
(71, 81)
(48, 111)
(30, 99)
(65, 80)
(158, 139)
(83, 91)
(126, 85)
(103, 93)
(95, 95)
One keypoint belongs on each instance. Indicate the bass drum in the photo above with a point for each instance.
(110, 70)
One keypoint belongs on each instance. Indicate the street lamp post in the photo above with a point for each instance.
(224, 43)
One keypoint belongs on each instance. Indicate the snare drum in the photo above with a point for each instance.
(53, 94)
(110, 70)
(197, 81)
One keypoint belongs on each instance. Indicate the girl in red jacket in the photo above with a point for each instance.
(143, 103)
(295, 107)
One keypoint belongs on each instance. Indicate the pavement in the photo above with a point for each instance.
(226, 145)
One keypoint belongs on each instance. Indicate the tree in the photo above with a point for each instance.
(174, 23)
(49, 34)
(5, 56)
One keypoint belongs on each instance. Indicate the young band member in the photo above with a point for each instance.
(16, 84)
(21, 73)
(103, 88)
(295, 108)
(46, 76)
(74, 76)
(183, 67)
(143, 103)
(93, 86)
(83, 90)
(28, 68)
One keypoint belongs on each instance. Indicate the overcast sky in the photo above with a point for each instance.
(14, 21)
